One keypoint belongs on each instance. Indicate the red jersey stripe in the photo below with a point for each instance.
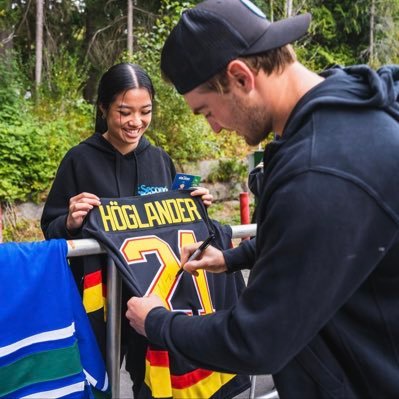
(92, 279)
(189, 379)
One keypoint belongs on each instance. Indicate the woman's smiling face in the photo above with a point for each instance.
(128, 117)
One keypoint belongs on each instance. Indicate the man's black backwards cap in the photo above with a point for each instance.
(213, 33)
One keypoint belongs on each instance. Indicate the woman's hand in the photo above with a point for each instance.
(203, 192)
(79, 207)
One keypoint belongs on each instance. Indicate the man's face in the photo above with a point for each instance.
(233, 111)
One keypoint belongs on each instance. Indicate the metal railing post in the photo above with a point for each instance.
(114, 302)
(244, 230)
(253, 387)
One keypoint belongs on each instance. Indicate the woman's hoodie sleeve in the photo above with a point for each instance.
(55, 212)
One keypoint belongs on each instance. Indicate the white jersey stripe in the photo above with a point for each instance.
(94, 382)
(57, 393)
(37, 338)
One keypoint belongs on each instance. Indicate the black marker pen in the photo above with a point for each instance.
(197, 252)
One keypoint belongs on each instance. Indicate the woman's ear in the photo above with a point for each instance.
(103, 111)
(240, 75)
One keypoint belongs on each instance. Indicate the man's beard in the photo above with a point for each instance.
(254, 120)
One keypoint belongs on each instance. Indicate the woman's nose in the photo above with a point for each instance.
(134, 120)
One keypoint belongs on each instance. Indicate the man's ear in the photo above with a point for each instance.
(240, 75)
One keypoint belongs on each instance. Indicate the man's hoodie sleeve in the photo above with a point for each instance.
(317, 248)
(241, 257)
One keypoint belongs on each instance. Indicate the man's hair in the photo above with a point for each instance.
(270, 61)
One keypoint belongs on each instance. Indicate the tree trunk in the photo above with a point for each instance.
(6, 34)
(372, 27)
(271, 11)
(39, 43)
(130, 27)
(288, 8)
(92, 8)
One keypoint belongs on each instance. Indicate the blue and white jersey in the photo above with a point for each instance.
(47, 347)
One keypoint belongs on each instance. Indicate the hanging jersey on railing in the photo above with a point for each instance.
(47, 348)
(144, 235)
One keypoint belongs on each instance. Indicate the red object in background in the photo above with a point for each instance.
(244, 209)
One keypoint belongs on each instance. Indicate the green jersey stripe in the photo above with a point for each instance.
(39, 367)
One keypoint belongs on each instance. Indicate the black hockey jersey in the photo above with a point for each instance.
(144, 235)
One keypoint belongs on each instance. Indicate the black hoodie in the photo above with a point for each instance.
(321, 309)
(95, 166)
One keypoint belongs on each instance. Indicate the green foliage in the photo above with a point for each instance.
(324, 25)
(229, 170)
(8, 15)
(12, 83)
(23, 230)
(183, 135)
(386, 34)
(225, 213)
(228, 212)
(33, 140)
(16, 228)
(30, 152)
(21, 145)
(34, 137)
(64, 78)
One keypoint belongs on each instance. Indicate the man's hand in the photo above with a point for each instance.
(138, 309)
(211, 260)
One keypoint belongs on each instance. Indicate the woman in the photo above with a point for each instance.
(116, 161)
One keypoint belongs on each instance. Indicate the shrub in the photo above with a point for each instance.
(229, 170)
(34, 138)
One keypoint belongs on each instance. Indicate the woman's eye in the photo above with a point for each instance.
(147, 112)
(124, 113)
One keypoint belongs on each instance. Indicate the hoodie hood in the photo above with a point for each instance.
(355, 86)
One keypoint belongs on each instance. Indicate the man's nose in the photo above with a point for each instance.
(215, 126)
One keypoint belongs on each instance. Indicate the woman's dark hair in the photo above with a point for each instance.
(118, 79)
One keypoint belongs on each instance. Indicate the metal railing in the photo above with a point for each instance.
(114, 284)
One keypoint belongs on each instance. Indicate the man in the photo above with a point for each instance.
(321, 309)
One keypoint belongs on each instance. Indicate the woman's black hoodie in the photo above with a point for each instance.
(95, 166)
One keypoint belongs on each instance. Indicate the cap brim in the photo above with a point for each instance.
(280, 33)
